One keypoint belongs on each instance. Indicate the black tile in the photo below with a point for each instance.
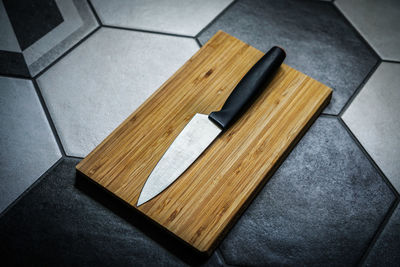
(322, 207)
(58, 223)
(215, 260)
(386, 250)
(316, 37)
(32, 19)
(13, 63)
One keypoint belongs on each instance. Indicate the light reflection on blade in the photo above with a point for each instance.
(197, 135)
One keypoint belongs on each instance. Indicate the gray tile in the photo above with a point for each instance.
(317, 39)
(95, 87)
(385, 251)
(31, 19)
(321, 208)
(71, 22)
(51, 33)
(28, 147)
(64, 221)
(78, 22)
(378, 22)
(373, 118)
(8, 41)
(186, 17)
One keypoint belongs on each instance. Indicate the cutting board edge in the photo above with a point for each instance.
(145, 217)
(208, 250)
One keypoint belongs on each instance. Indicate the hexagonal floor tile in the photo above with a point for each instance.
(316, 37)
(373, 118)
(58, 223)
(34, 34)
(100, 83)
(385, 251)
(185, 17)
(322, 206)
(28, 147)
(378, 22)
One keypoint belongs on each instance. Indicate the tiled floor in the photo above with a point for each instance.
(379, 24)
(44, 30)
(72, 70)
(376, 128)
(28, 147)
(180, 17)
(112, 81)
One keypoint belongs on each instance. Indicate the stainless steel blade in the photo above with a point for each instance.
(197, 135)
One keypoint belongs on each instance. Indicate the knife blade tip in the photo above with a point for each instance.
(143, 198)
(140, 202)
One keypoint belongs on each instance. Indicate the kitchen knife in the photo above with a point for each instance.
(201, 130)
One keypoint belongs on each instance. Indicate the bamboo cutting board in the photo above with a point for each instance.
(200, 206)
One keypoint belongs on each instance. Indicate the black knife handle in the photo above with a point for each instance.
(249, 88)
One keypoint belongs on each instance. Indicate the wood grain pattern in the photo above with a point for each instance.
(201, 205)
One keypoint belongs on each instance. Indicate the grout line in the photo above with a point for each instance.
(222, 257)
(363, 40)
(395, 202)
(372, 161)
(48, 116)
(328, 115)
(359, 88)
(356, 92)
(393, 205)
(66, 52)
(374, 164)
(147, 31)
(23, 194)
(73, 157)
(358, 34)
(198, 42)
(219, 255)
(215, 18)
(390, 61)
(378, 232)
(94, 12)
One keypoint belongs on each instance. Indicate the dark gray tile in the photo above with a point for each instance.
(186, 17)
(95, 87)
(45, 30)
(214, 260)
(322, 207)
(11, 59)
(378, 22)
(44, 14)
(8, 40)
(385, 251)
(13, 63)
(78, 22)
(27, 144)
(373, 117)
(67, 221)
(317, 39)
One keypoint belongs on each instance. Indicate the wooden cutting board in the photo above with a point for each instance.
(202, 204)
